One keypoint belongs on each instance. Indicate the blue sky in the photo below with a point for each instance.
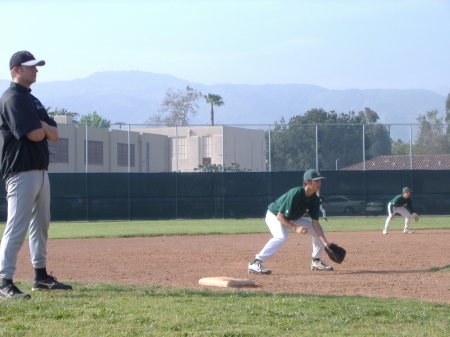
(336, 44)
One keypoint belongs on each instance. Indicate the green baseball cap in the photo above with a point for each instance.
(312, 175)
(406, 189)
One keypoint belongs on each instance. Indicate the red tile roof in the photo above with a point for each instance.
(404, 162)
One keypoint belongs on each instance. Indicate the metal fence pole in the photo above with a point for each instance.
(317, 150)
(364, 147)
(410, 147)
(87, 149)
(176, 148)
(129, 150)
(223, 149)
(270, 158)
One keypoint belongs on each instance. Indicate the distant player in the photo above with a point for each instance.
(286, 213)
(322, 205)
(401, 204)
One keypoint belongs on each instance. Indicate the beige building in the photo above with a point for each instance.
(165, 149)
(191, 146)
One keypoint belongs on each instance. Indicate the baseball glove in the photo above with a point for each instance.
(415, 216)
(335, 253)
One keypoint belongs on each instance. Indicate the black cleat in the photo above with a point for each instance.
(11, 291)
(50, 283)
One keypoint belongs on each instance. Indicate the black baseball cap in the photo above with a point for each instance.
(24, 58)
(312, 175)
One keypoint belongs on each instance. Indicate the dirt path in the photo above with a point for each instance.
(393, 265)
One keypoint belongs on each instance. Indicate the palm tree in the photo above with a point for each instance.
(62, 112)
(213, 100)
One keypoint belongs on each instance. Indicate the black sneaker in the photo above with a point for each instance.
(11, 291)
(49, 283)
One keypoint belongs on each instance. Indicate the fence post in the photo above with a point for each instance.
(364, 147)
(410, 147)
(270, 158)
(87, 149)
(317, 150)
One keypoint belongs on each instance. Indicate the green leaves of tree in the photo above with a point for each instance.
(338, 138)
(95, 120)
(213, 100)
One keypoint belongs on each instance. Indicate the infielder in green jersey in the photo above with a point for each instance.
(287, 213)
(401, 204)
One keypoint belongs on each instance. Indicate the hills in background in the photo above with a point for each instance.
(133, 96)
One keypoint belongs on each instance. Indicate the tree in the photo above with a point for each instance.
(176, 107)
(339, 138)
(62, 112)
(399, 147)
(431, 138)
(213, 100)
(233, 167)
(95, 120)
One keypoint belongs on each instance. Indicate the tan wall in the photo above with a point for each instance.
(244, 146)
(157, 156)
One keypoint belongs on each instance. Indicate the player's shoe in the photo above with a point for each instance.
(258, 268)
(385, 231)
(11, 291)
(50, 283)
(320, 265)
(407, 231)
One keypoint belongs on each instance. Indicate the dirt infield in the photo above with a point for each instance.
(393, 265)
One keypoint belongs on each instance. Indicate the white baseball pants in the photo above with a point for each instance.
(400, 210)
(280, 235)
(28, 196)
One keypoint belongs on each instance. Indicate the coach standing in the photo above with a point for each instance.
(25, 128)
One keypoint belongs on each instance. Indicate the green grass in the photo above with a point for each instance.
(152, 310)
(117, 310)
(116, 229)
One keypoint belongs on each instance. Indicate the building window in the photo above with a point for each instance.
(95, 152)
(122, 154)
(206, 150)
(181, 149)
(59, 151)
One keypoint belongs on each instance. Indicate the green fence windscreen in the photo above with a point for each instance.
(161, 196)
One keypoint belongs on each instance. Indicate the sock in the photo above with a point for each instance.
(40, 273)
(6, 282)
(256, 261)
(315, 259)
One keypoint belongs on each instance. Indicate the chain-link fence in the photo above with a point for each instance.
(288, 147)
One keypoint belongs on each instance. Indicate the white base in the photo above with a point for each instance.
(226, 282)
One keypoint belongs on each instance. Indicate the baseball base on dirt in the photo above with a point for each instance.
(226, 282)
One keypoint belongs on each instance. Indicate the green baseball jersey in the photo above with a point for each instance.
(399, 201)
(294, 204)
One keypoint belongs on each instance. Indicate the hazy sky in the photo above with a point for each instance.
(337, 44)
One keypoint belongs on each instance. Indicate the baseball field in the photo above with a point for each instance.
(141, 278)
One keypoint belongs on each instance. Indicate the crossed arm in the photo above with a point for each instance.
(47, 131)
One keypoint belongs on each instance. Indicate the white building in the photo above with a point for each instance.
(165, 149)
(191, 146)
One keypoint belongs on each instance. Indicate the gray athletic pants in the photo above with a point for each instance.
(28, 196)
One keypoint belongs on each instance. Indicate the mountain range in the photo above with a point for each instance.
(133, 96)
